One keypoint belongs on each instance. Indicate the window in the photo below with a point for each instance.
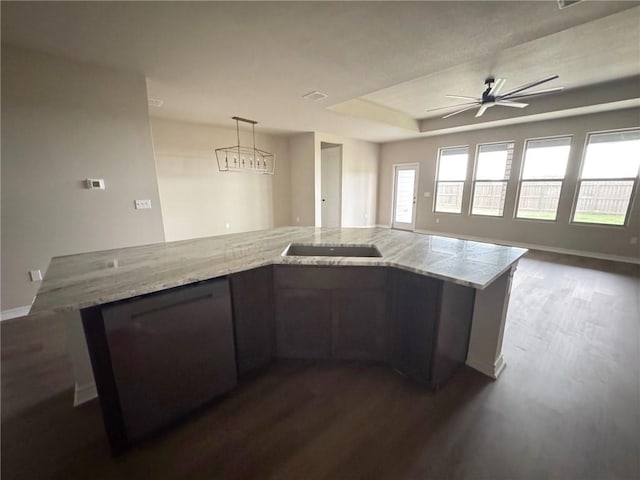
(545, 165)
(452, 171)
(493, 168)
(608, 177)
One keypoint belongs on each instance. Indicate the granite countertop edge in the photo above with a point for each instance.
(407, 251)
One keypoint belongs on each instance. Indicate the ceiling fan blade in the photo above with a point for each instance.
(509, 103)
(460, 111)
(461, 97)
(530, 85)
(482, 109)
(497, 86)
(532, 94)
(453, 106)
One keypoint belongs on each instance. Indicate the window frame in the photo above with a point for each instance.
(505, 181)
(438, 181)
(579, 180)
(521, 180)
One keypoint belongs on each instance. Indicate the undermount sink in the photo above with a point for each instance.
(320, 250)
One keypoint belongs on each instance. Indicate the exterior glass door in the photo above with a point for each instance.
(404, 197)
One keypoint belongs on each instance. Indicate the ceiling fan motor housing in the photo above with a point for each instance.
(486, 98)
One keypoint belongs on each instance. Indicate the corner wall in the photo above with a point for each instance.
(360, 166)
(63, 122)
(303, 178)
(590, 239)
(198, 200)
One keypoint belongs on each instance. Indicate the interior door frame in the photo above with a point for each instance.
(339, 199)
(393, 195)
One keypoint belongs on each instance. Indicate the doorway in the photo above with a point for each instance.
(331, 184)
(405, 186)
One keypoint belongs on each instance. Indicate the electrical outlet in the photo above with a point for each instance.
(297, 219)
(226, 225)
(633, 240)
(427, 194)
(140, 204)
(437, 220)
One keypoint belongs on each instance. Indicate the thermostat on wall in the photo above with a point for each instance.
(94, 183)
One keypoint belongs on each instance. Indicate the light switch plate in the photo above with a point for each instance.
(35, 275)
(94, 183)
(143, 204)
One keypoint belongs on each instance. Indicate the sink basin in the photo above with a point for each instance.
(319, 250)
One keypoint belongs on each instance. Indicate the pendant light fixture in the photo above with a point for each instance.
(244, 158)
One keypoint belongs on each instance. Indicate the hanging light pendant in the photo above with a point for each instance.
(239, 158)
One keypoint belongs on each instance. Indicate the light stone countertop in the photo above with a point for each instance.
(88, 279)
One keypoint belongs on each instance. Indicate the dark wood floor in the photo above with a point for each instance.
(567, 406)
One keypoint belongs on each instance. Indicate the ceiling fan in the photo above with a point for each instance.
(492, 96)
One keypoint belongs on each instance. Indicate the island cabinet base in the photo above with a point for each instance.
(254, 320)
(431, 326)
(418, 324)
(332, 313)
(158, 357)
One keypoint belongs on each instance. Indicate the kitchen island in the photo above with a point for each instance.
(171, 326)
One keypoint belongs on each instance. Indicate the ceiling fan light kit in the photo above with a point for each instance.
(492, 96)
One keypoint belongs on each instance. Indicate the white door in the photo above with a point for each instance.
(331, 179)
(404, 197)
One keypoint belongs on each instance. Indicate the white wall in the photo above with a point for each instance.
(360, 165)
(600, 240)
(63, 122)
(359, 179)
(303, 179)
(198, 200)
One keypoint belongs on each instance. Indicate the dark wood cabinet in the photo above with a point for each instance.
(453, 332)
(160, 356)
(332, 312)
(431, 326)
(254, 319)
(415, 312)
(303, 323)
(360, 324)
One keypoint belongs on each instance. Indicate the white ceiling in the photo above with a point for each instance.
(209, 61)
(598, 51)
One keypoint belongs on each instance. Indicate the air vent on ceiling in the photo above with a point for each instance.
(315, 96)
(154, 102)
(567, 3)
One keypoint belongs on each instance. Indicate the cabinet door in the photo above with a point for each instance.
(415, 311)
(454, 327)
(170, 353)
(360, 327)
(303, 323)
(253, 315)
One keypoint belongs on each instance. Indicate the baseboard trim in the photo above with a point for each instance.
(532, 246)
(492, 371)
(15, 312)
(84, 393)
